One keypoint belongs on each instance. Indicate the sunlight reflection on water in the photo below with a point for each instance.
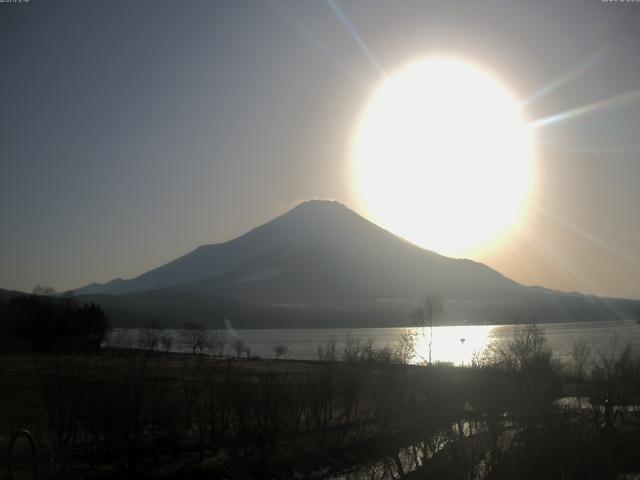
(455, 345)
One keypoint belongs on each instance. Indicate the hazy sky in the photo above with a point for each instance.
(133, 131)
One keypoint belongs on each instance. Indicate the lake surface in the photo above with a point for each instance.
(447, 345)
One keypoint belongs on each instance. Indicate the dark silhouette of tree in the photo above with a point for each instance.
(149, 338)
(279, 350)
(44, 290)
(427, 314)
(195, 336)
(47, 322)
(239, 347)
(167, 342)
(216, 343)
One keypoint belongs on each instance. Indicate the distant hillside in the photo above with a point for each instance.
(5, 295)
(323, 265)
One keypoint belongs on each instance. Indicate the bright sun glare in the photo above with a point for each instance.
(443, 157)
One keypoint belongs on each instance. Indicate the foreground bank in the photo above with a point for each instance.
(126, 413)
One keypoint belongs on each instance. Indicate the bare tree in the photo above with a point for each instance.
(121, 338)
(217, 343)
(239, 347)
(352, 349)
(526, 351)
(279, 350)
(611, 374)
(148, 339)
(404, 349)
(329, 352)
(166, 341)
(195, 336)
(44, 290)
(580, 356)
(427, 314)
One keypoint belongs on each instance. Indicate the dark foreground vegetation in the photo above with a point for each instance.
(357, 410)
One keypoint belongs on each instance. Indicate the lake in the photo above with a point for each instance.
(447, 345)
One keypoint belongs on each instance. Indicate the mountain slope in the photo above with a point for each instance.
(322, 264)
(321, 245)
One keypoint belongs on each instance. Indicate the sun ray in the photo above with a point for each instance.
(551, 254)
(589, 63)
(631, 96)
(556, 258)
(313, 39)
(587, 235)
(589, 150)
(333, 4)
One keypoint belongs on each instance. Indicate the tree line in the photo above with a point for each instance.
(45, 321)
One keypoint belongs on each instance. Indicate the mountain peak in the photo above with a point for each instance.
(319, 219)
(316, 213)
(316, 205)
(317, 202)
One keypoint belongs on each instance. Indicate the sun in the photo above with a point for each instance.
(443, 156)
